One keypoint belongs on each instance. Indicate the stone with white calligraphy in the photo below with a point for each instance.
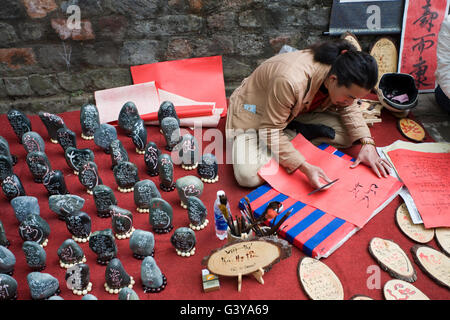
(42, 285)
(184, 241)
(19, 122)
(142, 244)
(39, 165)
(35, 255)
(79, 225)
(161, 215)
(188, 186)
(167, 109)
(165, 167)
(153, 280)
(103, 197)
(54, 183)
(70, 253)
(25, 205)
(128, 116)
(144, 192)
(6, 167)
(118, 153)
(122, 222)
(52, 122)
(188, 152)
(116, 277)
(4, 150)
(151, 156)
(208, 168)
(66, 138)
(7, 261)
(171, 131)
(103, 244)
(32, 141)
(34, 228)
(8, 287)
(128, 294)
(12, 187)
(65, 204)
(89, 120)
(89, 176)
(197, 213)
(126, 175)
(75, 158)
(104, 135)
(139, 136)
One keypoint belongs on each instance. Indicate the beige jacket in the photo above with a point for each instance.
(279, 90)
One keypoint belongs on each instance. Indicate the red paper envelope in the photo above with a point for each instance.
(199, 79)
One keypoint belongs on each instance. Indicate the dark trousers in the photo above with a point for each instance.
(442, 100)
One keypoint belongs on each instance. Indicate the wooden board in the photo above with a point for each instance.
(392, 259)
(434, 263)
(443, 239)
(415, 232)
(385, 53)
(401, 290)
(318, 281)
(411, 130)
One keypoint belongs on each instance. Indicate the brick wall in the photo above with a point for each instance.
(46, 64)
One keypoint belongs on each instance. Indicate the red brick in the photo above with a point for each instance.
(15, 58)
(39, 8)
(84, 33)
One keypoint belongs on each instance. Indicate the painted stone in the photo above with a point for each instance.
(42, 285)
(62, 205)
(167, 109)
(89, 120)
(25, 205)
(142, 244)
(76, 157)
(3, 239)
(171, 131)
(116, 277)
(126, 175)
(188, 186)
(39, 165)
(104, 135)
(184, 241)
(103, 198)
(19, 123)
(139, 136)
(32, 141)
(161, 215)
(89, 176)
(89, 297)
(128, 115)
(197, 213)
(66, 138)
(8, 287)
(7, 261)
(54, 183)
(103, 244)
(34, 228)
(188, 151)
(79, 225)
(165, 166)
(122, 222)
(70, 253)
(78, 279)
(6, 167)
(52, 122)
(153, 280)
(151, 156)
(117, 152)
(35, 255)
(144, 191)
(128, 294)
(208, 168)
(12, 187)
(4, 150)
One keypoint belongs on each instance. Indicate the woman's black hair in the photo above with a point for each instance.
(349, 65)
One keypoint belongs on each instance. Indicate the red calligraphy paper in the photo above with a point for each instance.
(356, 197)
(427, 177)
(421, 23)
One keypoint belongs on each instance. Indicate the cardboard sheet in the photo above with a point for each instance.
(354, 198)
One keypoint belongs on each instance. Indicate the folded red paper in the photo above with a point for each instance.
(184, 112)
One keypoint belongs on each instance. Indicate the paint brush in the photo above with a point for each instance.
(322, 187)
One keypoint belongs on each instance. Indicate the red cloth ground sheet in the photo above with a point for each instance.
(350, 262)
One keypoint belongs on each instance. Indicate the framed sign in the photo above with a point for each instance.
(366, 17)
(421, 23)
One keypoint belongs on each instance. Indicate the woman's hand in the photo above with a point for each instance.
(314, 175)
(369, 156)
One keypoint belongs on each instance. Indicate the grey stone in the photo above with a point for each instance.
(34, 228)
(142, 244)
(153, 280)
(8, 287)
(89, 175)
(122, 220)
(39, 165)
(128, 294)
(25, 205)
(139, 135)
(103, 197)
(208, 169)
(183, 240)
(103, 244)
(161, 215)
(126, 175)
(151, 156)
(75, 158)
(69, 252)
(104, 135)
(32, 141)
(188, 186)
(79, 224)
(89, 297)
(52, 122)
(62, 205)
(18, 86)
(165, 167)
(66, 138)
(44, 85)
(55, 298)
(171, 131)
(197, 211)
(188, 151)
(128, 116)
(42, 285)
(7, 261)
(4, 150)
(89, 119)
(34, 255)
(12, 187)
(144, 192)
(77, 277)
(8, 35)
(19, 122)
(167, 109)
(118, 152)
(6, 167)
(115, 275)
(54, 183)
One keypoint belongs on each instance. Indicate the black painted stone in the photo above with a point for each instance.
(79, 224)
(19, 122)
(4, 150)
(103, 198)
(128, 294)
(144, 192)
(188, 150)
(39, 165)
(126, 174)
(32, 141)
(128, 116)
(151, 156)
(52, 122)
(69, 252)
(115, 275)
(189, 186)
(78, 277)
(54, 183)
(34, 228)
(8, 287)
(142, 244)
(62, 205)
(89, 119)
(35, 255)
(89, 175)
(208, 167)
(25, 205)
(153, 280)
(103, 244)
(3, 239)
(76, 157)
(42, 285)
(104, 135)
(183, 239)
(118, 153)
(171, 132)
(122, 220)
(161, 215)
(66, 138)
(6, 167)
(12, 187)
(197, 211)
(165, 166)
(139, 134)
(167, 109)
(7, 261)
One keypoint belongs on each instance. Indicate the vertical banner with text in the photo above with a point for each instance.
(422, 20)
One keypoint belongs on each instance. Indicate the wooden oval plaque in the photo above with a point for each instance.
(318, 281)
(434, 263)
(443, 239)
(360, 297)
(401, 290)
(411, 129)
(385, 53)
(350, 37)
(392, 259)
(415, 232)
